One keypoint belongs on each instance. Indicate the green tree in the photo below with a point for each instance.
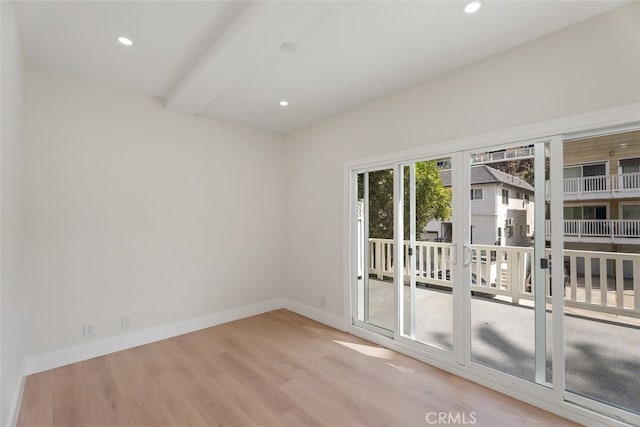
(433, 200)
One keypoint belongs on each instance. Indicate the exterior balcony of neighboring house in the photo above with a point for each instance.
(601, 222)
(611, 186)
(511, 154)
(603, 207)
(601, 192)
(602, 168)
(614, 231)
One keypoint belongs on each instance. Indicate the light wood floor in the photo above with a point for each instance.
(276, 369)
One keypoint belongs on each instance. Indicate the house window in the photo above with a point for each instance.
(443, 164)
(630, 170)
(630, 165)
(477, 194)
(596, 169)
(573, 212)
(594, 212)
(526, 197)
(505, 196)
(631, 211)
(585, 212)
(587, 178)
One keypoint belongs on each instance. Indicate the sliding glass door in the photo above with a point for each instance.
(509, 262)
(602, 265)
(474, 255)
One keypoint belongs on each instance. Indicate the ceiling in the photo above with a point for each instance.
(223, 58)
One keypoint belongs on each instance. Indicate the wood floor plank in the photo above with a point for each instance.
(158, 362)
(105, 404)
(297, 417)
(275, 369)
(208, 397)
(141, 407)
(70, 406)
(176, 407)
(37, 402)
(256, 409)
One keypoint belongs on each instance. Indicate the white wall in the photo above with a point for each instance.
(12, 341)
(130, 209)
(484, 229)
(591, 66)
(486, 206)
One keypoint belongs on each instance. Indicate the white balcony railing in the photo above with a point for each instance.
(605, 228)
(500, 156)
(607, 282)
(602, 183)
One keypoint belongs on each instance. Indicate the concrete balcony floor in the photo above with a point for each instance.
(602, 357)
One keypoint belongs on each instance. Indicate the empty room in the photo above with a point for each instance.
(320, 213)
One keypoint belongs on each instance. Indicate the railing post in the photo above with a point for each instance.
(636, 283)
(515, 262)
(373, 256)
(604, 282)
(573, 272)
(379, 259)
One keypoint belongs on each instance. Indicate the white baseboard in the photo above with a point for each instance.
(77, 353)
(313, 313)
(14, 409)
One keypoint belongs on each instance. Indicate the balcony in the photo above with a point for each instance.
(601, 306)
(503, 155)
(618, 231)
(602, 187)
(505, 271)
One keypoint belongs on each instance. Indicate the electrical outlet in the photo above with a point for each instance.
(87, 331)
(125, 322)
(323, 302)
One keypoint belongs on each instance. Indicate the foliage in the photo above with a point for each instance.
(433, 200)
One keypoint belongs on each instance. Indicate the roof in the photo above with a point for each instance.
(483, 174)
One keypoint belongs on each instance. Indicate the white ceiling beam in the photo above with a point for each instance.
(258, 32)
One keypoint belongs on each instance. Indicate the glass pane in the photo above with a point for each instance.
(593, 170)
(503, 232)
(602, 276)
(572, 212)
(375, 248)
(594, 212)
(573, 172)
(429, 319)
(631, 211)
(361, 248)
(630, 165)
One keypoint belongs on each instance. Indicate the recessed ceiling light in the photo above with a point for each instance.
(473, 6)
(284, 103)
(288, 47)
(125, 41)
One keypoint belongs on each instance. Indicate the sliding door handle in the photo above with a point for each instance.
(467, 254)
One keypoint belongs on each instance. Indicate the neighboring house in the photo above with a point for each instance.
(602, 193)
(501, 209)
(602, 197)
